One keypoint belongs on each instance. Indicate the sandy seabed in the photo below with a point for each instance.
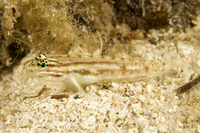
(149, 105)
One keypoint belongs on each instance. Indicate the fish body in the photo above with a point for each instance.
(81, 71)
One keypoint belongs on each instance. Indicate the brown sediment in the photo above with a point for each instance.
(59, 96)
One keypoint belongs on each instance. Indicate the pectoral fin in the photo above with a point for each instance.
(75, 83)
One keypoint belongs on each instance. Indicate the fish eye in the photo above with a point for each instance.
(43, 64)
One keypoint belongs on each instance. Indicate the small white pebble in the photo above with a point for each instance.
(52, 111)
(163, 119)
(112, 115)
(162, 98)
(198, 128)
(130, 131)
(169, 111)
(8, 121)
(89, 123)
(142, 98)
(187, 52)
(72, 116)
(180, 124)
(149, 88)
(58, 123)
(42, 105)
(78, 101)
(186, 48)
(152, 130)
(154, 115)
(123, 113)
